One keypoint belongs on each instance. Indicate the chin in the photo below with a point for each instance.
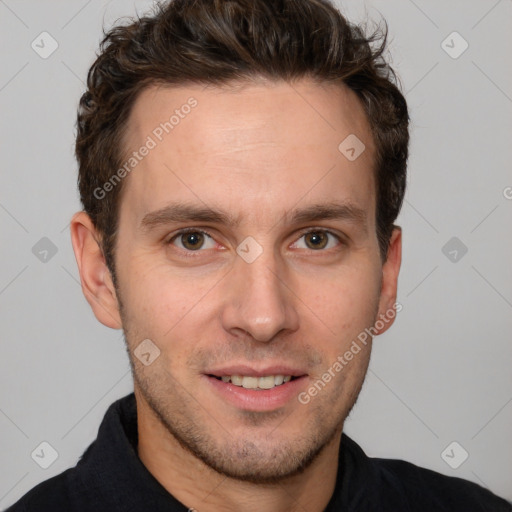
(249, 463)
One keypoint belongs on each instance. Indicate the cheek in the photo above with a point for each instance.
(158, 300)
(347, 301)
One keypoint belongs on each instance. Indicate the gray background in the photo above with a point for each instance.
(441, 374)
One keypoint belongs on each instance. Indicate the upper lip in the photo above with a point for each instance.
(247, 371)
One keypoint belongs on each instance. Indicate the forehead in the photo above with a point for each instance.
(254, 146)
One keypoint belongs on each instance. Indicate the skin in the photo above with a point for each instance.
(257, 151)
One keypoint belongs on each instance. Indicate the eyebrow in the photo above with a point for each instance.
(183, 212)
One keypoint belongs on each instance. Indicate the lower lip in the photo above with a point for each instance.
(254, 399)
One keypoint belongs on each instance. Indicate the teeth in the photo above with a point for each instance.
(278, 379)
(267, 382)
(250, 382)
(236, 380)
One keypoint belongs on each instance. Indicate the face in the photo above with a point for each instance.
(276, 274)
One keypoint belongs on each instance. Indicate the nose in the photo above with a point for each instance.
(258, 299)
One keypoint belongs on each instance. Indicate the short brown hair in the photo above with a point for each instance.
(221, 41)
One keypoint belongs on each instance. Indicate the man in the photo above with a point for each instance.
(241, 165)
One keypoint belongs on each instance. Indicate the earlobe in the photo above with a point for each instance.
(390, 271)
(97, 285)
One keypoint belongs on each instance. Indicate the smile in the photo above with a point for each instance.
(249, 382)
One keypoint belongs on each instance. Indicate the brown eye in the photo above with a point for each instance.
(192, 240)
(316, 240)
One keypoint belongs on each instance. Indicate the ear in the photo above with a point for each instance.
(97, 285)
(390, 270)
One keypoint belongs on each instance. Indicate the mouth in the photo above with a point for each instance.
(256, 390)
(254, 382)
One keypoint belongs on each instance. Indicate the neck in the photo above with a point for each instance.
(199, 487)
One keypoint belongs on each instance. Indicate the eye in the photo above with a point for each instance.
(319, 239)
(192, 240)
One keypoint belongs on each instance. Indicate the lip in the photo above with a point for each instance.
(253, 399)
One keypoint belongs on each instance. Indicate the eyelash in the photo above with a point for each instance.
(302, 233)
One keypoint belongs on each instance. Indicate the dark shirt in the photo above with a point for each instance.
(110, 477)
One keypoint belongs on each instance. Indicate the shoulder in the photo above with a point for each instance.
(52, 494)
(377, 484)
(424, 489)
